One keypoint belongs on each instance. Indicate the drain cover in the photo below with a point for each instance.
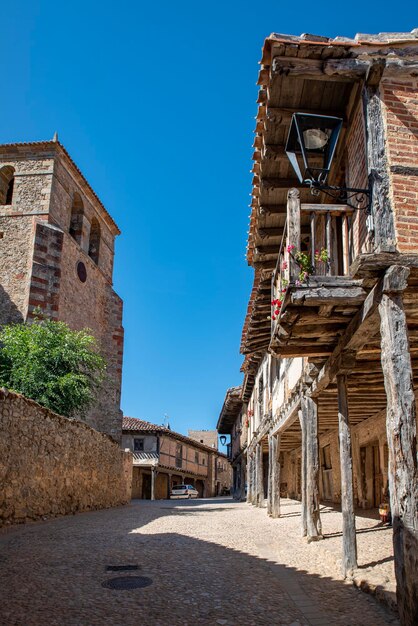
(127, 582)
(121, 568)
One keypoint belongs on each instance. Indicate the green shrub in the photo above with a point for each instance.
(52, 364)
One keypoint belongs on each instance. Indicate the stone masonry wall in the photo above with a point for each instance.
(50, 465)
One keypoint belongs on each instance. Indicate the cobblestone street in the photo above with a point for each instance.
(210, 562)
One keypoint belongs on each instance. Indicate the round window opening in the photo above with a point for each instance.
(81, 271)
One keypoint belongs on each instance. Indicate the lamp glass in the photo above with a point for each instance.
(311, 144)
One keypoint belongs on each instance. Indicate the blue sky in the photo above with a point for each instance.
(156, 102)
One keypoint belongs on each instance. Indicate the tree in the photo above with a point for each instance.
(48, 362)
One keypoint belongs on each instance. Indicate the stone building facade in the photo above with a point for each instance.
(208, 437)
(163, 458)
(56, 255)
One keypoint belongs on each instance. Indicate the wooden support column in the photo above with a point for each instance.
(382, 209)
(402, 441)
(293, 230)
(270, 479)
(260, 482)
(153, 475)
(243, 476)
(249, 478)
(303, 475)
(275, 477)
(311, 456)
(347, 496)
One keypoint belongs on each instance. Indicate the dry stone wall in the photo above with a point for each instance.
(51, 465)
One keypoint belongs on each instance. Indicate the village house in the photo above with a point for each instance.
(233, 421)
(56, 257)
(163, 458)
(327, 405)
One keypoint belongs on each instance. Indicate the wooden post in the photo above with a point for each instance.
(275, 496)
(311, 456)
(303, 475)
(377, 165)
(270, 479)
(328, 242)
(347, 496)
(293, 230)
(346, 249)
(260, 481)
(243, 477)
(153, 483)
(249, 479)
(313, 236)
(402, 446)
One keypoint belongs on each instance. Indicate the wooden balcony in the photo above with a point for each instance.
(315, 294)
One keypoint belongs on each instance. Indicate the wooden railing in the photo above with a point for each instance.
(329, 237)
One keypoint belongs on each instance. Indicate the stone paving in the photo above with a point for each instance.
(210, 562)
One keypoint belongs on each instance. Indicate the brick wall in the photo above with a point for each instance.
(50, 465)
(401, 107)
(356, 176)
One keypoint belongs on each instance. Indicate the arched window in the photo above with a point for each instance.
(7, 179)
(76, 223)
(94, 243)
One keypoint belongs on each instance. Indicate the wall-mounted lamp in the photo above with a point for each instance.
(222, 439)
(310, 147)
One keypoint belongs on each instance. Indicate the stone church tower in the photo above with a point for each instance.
(56, 253)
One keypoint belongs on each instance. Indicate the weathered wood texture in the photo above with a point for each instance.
(249, 479)
(270, 478)
(311, 455)
(275, 478)
(303, 521)
(293, 229)
(382, 209)
(260, 481)
(402, 445)
(347, 496)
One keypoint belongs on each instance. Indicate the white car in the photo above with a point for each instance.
(184, 491)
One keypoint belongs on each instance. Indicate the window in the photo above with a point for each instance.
(7, 180)
(179, 455)
(76, 222)
(260, 393)
(138, 445)
(94, 242)
(203, 460)
(196, 457)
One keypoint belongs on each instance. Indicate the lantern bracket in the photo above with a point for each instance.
(359, 199)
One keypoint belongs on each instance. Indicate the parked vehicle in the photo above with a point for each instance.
(184, 491)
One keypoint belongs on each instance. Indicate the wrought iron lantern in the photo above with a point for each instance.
(310, 147)
(222, 439)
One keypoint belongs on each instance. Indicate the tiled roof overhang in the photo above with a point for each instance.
(230, 410)
(284, 89)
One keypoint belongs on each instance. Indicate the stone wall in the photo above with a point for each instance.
(50, 465)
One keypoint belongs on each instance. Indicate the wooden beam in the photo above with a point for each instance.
(377, 166)
(361, 328)
(272, 209)
(402, 445)
(349, 562)
(319, 296)
(303, 515)
(311, 456)
(341, 70)
(293, 229)
(281, 183)
(275, 495)
(260, 476)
